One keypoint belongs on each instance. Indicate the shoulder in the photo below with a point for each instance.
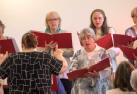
(78, 53)
(98, 48)
(130, 29)
(115, 91)
(118, 91)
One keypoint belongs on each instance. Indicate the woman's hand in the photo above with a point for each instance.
(3, 57)
(92, 74)
(58, 53)
(51, 45)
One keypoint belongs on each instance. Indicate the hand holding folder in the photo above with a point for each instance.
(80, 73)
(7, 45)
(64, 40)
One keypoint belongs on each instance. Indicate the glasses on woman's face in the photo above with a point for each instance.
(135, 17)
(55, 19)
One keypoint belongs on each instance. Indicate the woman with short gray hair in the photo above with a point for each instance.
(88, 55)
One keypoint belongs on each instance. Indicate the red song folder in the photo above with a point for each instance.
(121, 40)
(129, 52)
(7, 45)
(54, 86)
(64, 40)
(80, 73)
(105, 42)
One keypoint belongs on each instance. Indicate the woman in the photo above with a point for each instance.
(2, 37)
(29, 72)
(53, 26)
(99, 25)
(2, 26)
(122, 79)
(132, 31)
(89, 55)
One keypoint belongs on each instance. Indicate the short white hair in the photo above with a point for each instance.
(88, 31)
(133, 79)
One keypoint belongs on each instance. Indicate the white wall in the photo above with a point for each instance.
(20, 16)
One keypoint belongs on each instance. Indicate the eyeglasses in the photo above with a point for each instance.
(55, 19)
(134, 16)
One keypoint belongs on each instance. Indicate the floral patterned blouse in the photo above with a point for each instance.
(90, 85)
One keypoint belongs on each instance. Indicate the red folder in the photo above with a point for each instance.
(54, 86)
(129, 52)
(105, 42)
(64, 40)
(7, 45)
(100, 66)
(80, 73)
(122, 40)
(134, 38)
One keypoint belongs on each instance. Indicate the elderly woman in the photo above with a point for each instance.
(89, 55)
(53, 26)
(132, 30)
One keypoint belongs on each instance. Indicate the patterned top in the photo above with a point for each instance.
(30, 72)
(131, 32)
(89, 85)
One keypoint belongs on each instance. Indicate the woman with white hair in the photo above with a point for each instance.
(89, 55)
(53, 26)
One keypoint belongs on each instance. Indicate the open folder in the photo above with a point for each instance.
(122, 40)
(80, 73)
(7, 45)
(64, 40)
(129, 52)
(105, 42)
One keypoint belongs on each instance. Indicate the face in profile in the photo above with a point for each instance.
(53, 21)
(97, 19)
(135, 17)
(87, 41)
(1, 31)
